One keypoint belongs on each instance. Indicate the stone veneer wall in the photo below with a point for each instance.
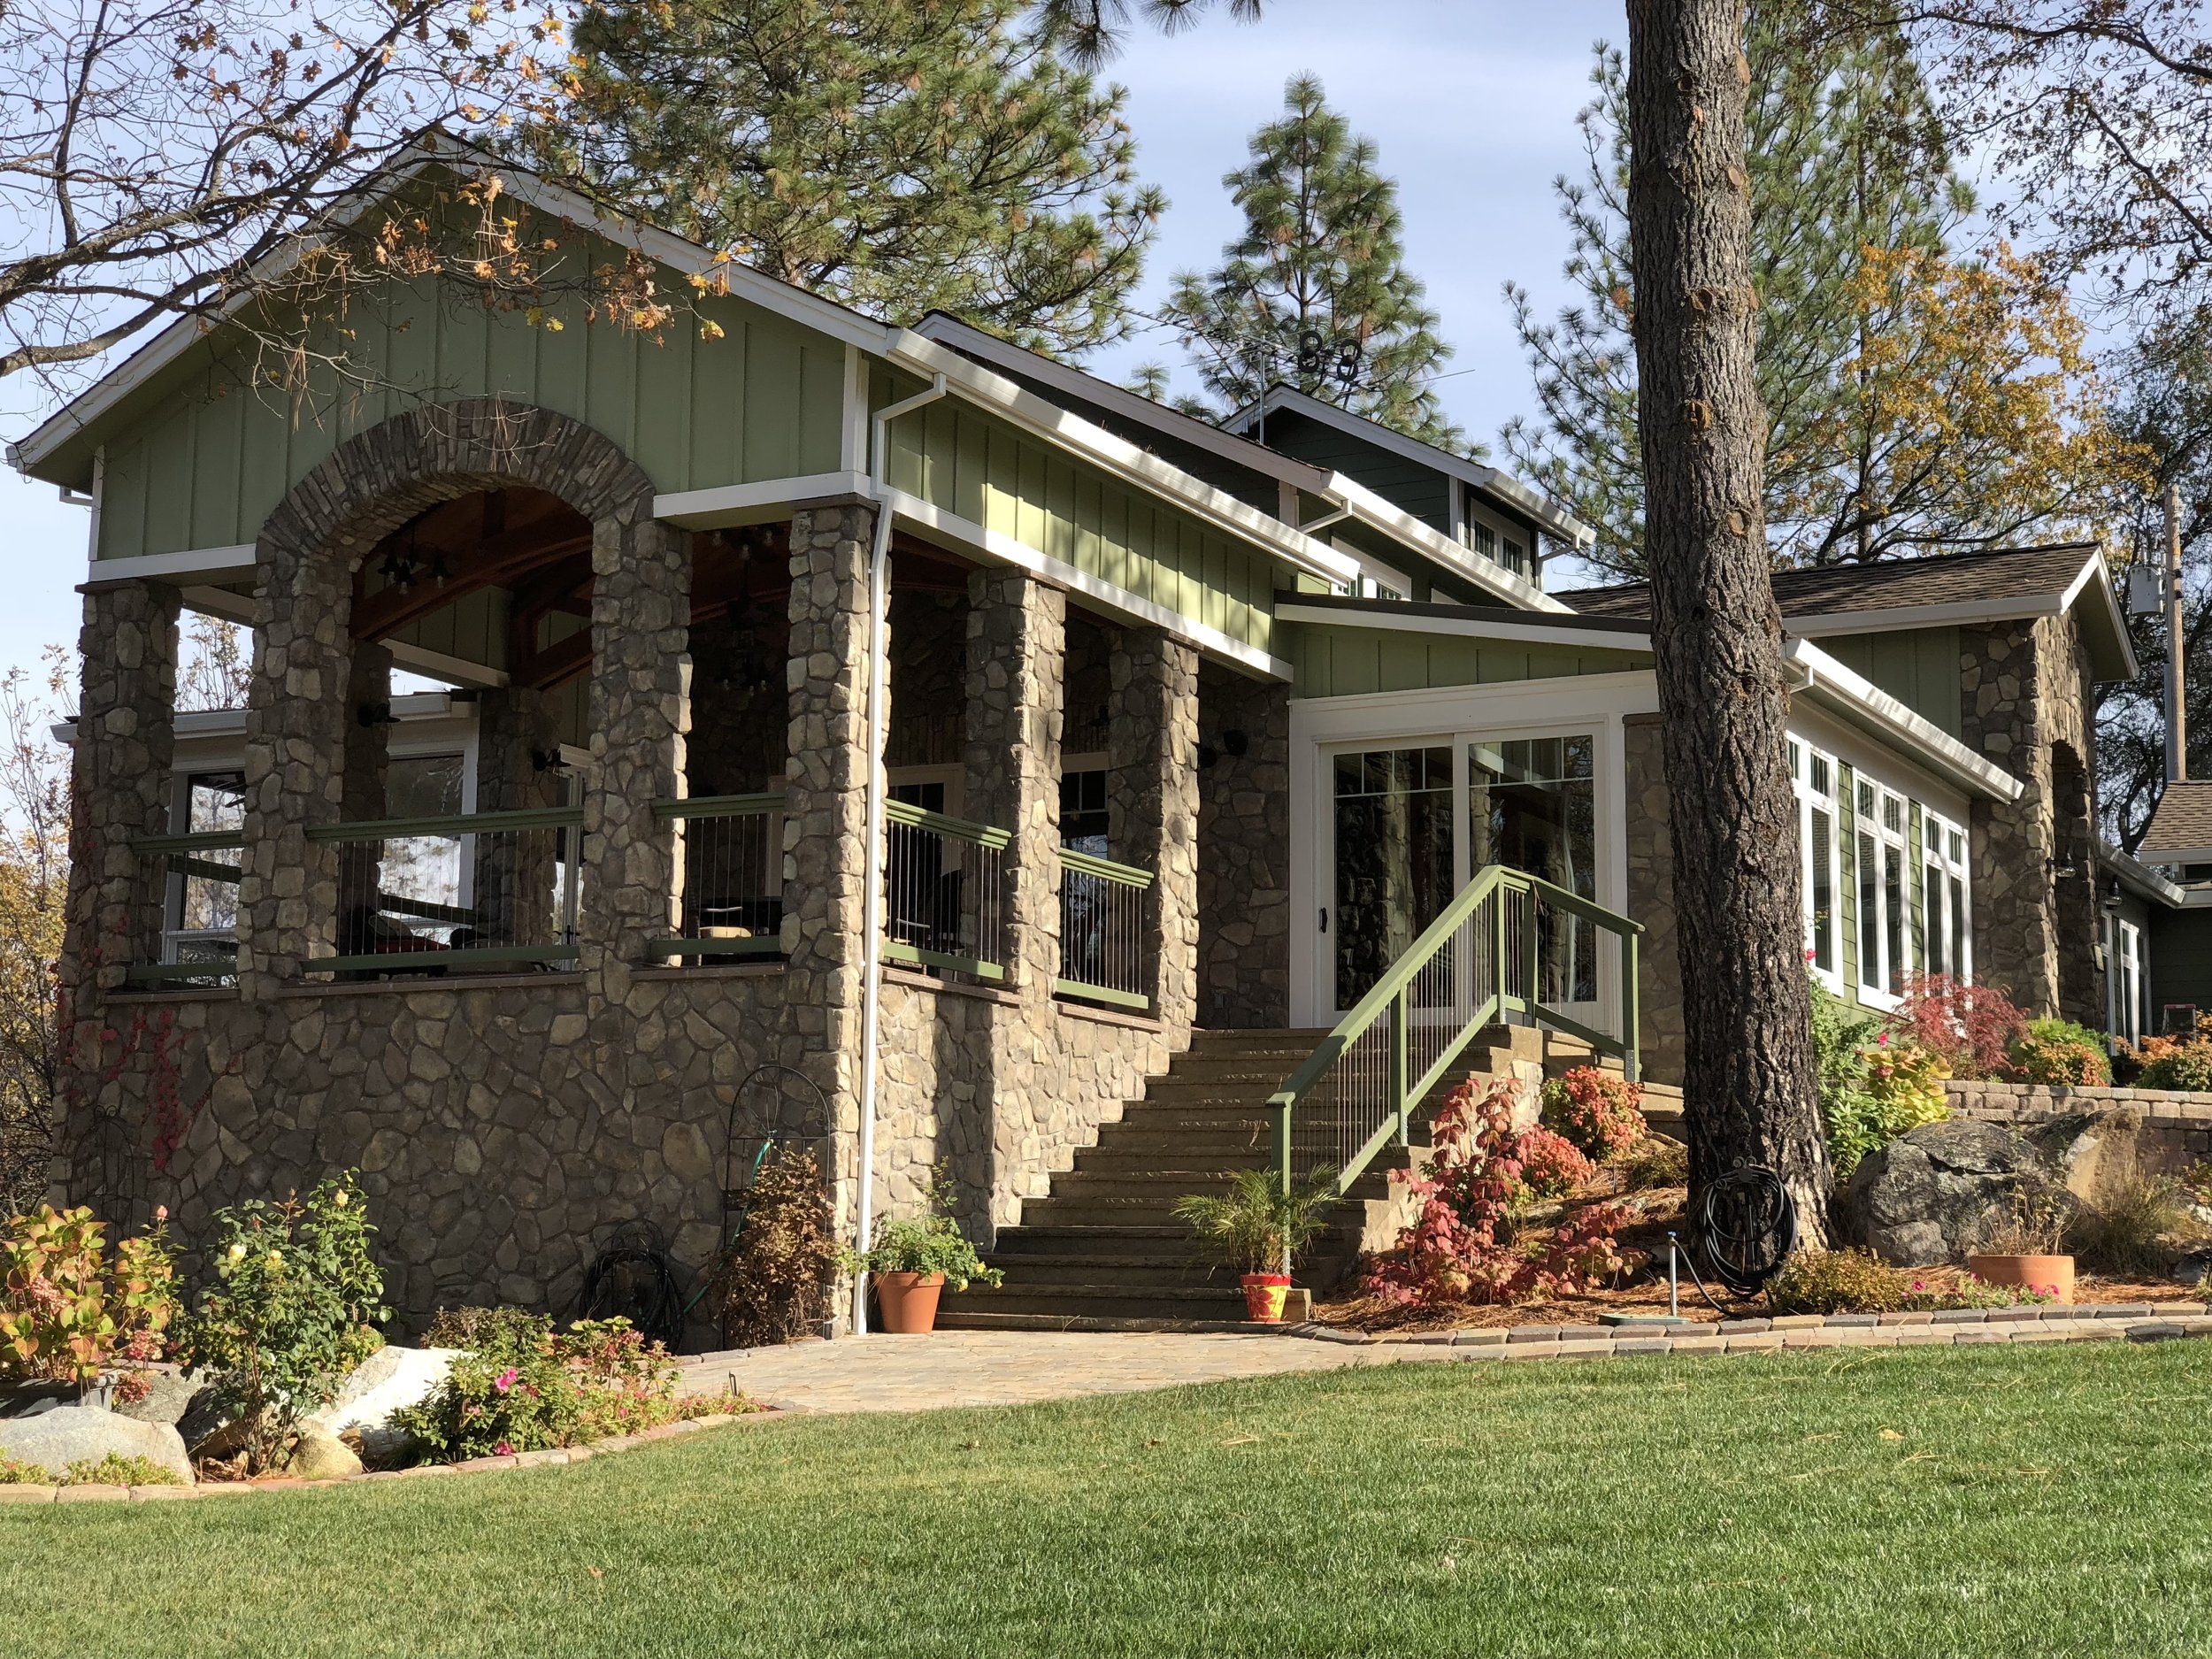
(1651, 899)
(2177, 1124)
(2024, 701)
(1244, 857)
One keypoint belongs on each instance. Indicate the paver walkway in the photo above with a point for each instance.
(995, 1368)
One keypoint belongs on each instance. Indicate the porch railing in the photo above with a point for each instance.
(732, 876)
(199, 934)
(1103, 910)
(1509, 944)
(944, 896)
(433, 894)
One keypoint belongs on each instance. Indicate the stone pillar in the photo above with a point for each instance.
(641, 703)
(1152, 802)
(1244, 921)
(826, 810)
(516, 875)
(364, 794)
(1017, 657)
(119, 787)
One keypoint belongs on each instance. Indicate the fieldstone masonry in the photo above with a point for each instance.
(1244, 923)
(1152, 800)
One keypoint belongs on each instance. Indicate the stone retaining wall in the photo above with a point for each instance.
(2177, 1127)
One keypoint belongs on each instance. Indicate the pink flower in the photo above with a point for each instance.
(503, 1449)
(1883, 1039)
(504, 1381)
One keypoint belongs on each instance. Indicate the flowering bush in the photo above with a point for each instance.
(1552, 1166)
(2167, 1064)
(1972, 1026)
(1873, 1087)
(69, 1310)
(2059, 1051)
(1463, 1247)
(1596, 1110)
(291, 1311)
(1835, 1281)
(523, 1386)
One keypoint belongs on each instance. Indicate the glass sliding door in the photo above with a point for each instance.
(1391, 821)
(1532, 806)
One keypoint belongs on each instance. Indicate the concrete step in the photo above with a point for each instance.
(951, 1318)
(1032, 1273)
(1108, 1301)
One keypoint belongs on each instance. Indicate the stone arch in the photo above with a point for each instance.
(307, 554)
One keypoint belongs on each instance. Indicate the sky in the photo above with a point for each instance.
(1471, 103)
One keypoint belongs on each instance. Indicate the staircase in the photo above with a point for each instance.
(1103, 1250)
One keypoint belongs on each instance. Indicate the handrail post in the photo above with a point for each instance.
(1630, 1039)
(1533, 956)
(1282, 1146)
(1398, 1060)
(1497, 948)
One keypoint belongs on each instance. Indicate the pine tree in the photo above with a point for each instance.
(1315, 292)
(899, 155)
(1852, 188)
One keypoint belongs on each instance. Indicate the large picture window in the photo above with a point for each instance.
(1530, 806)
(1945, 935)
(1394, 857)
(1814, 776)
(1885, 942)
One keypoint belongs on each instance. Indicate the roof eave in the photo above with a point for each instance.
(1402, 526)
(1827, 682)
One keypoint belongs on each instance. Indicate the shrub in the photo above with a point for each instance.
(116, 1470)
(1972, 1026)
(932, 1242)
(290, 1312)
(1256, 1227)
(1872, 1088)
(1552, 1166)
(70, 1310)
(772, 1283)
(1595, 1109)
(2059, 1051)
(19, 1474)
(2167, 1064)
(1972, 1293)
(2131, 1229)
(1463, 1247)
(1655, 1160)
(1835, 1281)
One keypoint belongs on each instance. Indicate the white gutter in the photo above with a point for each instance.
(872, 859)
(1826, 679)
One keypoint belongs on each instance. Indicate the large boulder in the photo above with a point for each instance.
(1929, 1195)
(2093, 1154)
(68, 1434)
(170, 1393)
(380, 1385)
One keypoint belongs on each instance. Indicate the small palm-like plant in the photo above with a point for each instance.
(1256, 1226)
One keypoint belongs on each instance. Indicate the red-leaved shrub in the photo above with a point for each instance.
(1972, 1026)
(1598, 1111)
(1463, 1247)
(1552, 1166)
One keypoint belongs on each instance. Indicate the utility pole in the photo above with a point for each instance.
(2177, 717)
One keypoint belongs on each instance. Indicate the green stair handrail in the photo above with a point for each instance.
(1390, 996)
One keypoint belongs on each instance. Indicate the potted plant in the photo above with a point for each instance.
(913, 1259)
(1259, 1228)
(2023, 1251)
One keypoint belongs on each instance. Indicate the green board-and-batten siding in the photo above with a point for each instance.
(1330, 661)
(1917, 666)
(214, 454)
(976, 467)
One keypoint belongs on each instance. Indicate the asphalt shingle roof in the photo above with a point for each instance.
(2182, 822)
(1951, 578)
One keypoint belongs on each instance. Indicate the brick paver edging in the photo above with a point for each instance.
(90, 1494)
(2137, 1321)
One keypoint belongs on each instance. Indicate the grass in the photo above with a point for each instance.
(2004, 1502)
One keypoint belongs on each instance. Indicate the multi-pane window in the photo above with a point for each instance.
(2127, 982)
(1884, 944)
(1083, 815)
(1814, 774)
(1946, 933)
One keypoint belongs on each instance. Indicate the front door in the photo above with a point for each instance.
(1391, 826)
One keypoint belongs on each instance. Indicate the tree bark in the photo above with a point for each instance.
(1749, 1083)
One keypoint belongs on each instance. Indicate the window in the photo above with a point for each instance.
(1487, 536)
(1945, 937)
(1531, 806)
(2127, 982)
(1083, 812)
(202, 899)
(1814, 774)
(1393, 859)
(1885, 947)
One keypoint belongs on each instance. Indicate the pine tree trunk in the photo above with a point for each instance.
(1717, 634)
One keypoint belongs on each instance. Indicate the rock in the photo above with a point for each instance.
(389, 1379)
(68, 1434)
(2093, 1153)
(169, 1397)
(1929, 1197)
(2192, 1267)
(320, 1455)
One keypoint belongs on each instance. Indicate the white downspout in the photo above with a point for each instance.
(872, 858)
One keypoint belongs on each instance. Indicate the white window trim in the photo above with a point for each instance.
(1803, 755)
(1936, 829)
(1889, 844)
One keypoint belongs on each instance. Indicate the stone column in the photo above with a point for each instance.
(1152, 802)
(516, 875)
(641, 703)
(1017, 658)
(824, 827)
(364, 794)
(120, 789)
(1244, 921)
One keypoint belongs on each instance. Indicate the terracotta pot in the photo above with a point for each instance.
(909, 1301)
(1265, 1295)
(2052, 1274)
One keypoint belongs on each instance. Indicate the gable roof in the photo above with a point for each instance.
(2180, 829)
(1549, 516)
(1941, 591)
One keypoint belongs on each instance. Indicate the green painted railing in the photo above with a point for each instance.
(945, 905)
(1509, 944)
(733, 908)
(1103, 913)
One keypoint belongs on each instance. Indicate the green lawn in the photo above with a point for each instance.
(2002, 1501)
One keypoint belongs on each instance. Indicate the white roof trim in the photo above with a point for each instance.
(1827, 680)
(1534, 632)
(1549, 514)
(756, 502)
(205, 564)
(924, 515)
(923, 355)
(2141, 878)
(1371, 510)
(1076, 383)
